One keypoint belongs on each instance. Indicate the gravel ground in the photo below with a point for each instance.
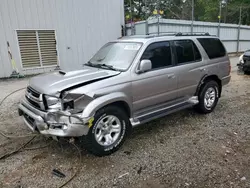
(184, 149)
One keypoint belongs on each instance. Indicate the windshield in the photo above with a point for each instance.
(115, 55)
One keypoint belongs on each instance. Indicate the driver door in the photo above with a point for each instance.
(159, 85)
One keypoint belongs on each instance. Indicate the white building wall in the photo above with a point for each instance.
(81, 26)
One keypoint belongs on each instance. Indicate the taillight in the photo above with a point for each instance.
(230, 68)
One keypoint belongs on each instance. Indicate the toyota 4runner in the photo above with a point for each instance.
(129, 82)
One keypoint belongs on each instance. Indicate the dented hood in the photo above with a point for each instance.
(56, 82)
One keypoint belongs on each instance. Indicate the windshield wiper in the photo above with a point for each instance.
(105, 66)
(109, 67)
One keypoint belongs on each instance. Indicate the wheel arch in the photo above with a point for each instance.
(118, 99)
(207, 78)
(121, 104)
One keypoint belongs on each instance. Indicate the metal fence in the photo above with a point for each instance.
(236, 38)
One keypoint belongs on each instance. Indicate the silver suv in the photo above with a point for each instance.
(129, 82)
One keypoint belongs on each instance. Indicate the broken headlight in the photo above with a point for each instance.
(52, 102)
(68, 104)
(74, 102)
(70, 101)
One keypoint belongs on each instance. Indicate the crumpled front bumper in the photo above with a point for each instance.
(38, 121)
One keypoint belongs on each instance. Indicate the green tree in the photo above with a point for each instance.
(205, 10)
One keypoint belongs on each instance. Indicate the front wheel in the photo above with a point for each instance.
(109, 131)
(208, 97)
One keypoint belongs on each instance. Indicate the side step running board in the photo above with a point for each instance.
(163, 112)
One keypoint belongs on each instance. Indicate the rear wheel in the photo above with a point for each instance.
(208, 97)
(109, 131)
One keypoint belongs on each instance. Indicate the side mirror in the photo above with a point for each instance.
(145, 65)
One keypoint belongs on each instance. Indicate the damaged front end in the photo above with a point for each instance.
(53, 107)
(65, 125)
(56, 116)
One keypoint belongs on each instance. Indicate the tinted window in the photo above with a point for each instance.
(213, 47)
(186, 51)
(159, 53)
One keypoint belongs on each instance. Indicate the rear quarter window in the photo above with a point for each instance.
(213, 47)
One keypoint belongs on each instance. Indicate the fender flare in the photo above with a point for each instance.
(102, 101)
(201, 83)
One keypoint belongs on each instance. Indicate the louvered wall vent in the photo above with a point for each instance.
(37, 48)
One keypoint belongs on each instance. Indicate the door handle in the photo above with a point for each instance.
(171, 76)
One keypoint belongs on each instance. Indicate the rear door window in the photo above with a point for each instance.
(213, 47)
(186, 51)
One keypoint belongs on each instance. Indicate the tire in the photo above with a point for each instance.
(102, 129)
(207, 106)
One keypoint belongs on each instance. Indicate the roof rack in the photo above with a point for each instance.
(156, 34)
(162, 34)
(193, 34)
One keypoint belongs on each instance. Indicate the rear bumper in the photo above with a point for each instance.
(225, 80)
(39, 121)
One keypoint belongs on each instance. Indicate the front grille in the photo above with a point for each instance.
(33, 97)
(33, 92)
(33, 103)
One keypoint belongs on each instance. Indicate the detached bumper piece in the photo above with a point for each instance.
(51, 124)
